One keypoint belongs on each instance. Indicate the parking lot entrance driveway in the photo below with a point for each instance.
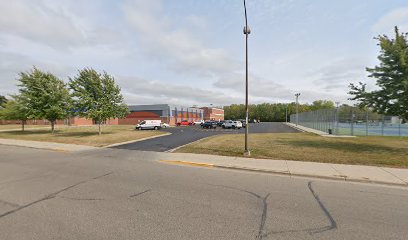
(184, 135)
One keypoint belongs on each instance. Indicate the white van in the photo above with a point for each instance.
(149, 124)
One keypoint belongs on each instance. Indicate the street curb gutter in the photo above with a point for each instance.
(137, 140)
(286, 173)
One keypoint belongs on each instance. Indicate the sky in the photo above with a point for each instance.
(190, 52)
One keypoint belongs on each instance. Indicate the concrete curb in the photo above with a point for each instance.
(294, 127)
(177, 148)
(137, 140)
(286, 173)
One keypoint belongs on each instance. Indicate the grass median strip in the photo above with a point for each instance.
(375, 151)
(82, 135)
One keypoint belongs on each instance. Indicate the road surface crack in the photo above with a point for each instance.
(51, 196)
(261, 232)
(138, 194)
(333, 224)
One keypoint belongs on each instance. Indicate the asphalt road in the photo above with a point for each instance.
(184, 135)
(121, 194)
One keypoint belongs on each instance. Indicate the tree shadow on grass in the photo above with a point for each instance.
(59, 133)
(345, 146)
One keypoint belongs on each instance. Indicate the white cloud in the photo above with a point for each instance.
(166, 41)
(36, 21)
(397, 17)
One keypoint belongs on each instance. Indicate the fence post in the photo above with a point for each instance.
(399, 126)
(337, 120)
(367, 122)
(382, 126)
(352, 122)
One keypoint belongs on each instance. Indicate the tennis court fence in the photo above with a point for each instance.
(351, 121)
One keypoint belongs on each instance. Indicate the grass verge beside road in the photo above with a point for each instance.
(376, 151)
(82, 135)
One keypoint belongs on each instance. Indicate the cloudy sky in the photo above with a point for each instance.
(192, 52)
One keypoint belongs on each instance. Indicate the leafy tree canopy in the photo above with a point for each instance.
(45, 96)
(96, 96)
(3, 100)
(15, 109)
(391, 77)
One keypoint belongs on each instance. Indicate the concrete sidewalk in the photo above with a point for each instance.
(46, 145)
(354, 173)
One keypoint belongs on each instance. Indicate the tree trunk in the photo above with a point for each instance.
(52, 127)
(100, 132)
(22, 125)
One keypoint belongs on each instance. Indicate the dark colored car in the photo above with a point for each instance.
(219, 124)
(209, 124)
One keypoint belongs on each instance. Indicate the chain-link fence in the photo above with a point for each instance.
(351, 121)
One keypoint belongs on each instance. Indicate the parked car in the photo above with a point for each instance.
(149, 124)
(209, 124)
(199, 122)
(165, 125)
(243, 121)
(185, 123)
(232, 124)
(219, 124)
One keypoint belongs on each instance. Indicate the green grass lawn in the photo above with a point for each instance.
(82, 135)
(376, 151)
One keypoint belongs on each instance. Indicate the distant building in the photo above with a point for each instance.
(212, 113)
(166, 113)
(170, 114)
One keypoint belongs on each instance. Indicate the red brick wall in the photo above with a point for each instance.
(213, 114)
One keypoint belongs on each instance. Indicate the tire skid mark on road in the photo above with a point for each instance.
(52, 195)
(261, 232)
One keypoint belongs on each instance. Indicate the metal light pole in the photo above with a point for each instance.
(247, 31)
(297, 108)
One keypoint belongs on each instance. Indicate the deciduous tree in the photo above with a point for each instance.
(96, 96)
(391, 77)
(45, 96)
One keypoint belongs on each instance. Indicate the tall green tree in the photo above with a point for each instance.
(46, 96)
(96, 96)
(3, 100)
(391, 77)
(15, 109)
(321, 104)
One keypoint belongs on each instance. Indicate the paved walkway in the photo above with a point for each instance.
(46, 145)
(356, 173)
(311, 130)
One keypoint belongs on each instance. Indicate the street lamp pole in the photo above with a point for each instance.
(247, 31)
(297, 108)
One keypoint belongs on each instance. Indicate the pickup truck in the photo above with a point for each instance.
(184, 123)
(232, 124)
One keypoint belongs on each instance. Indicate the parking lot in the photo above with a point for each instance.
(183, 135)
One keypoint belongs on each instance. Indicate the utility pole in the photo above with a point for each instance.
(297, 108)
(247, 31)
